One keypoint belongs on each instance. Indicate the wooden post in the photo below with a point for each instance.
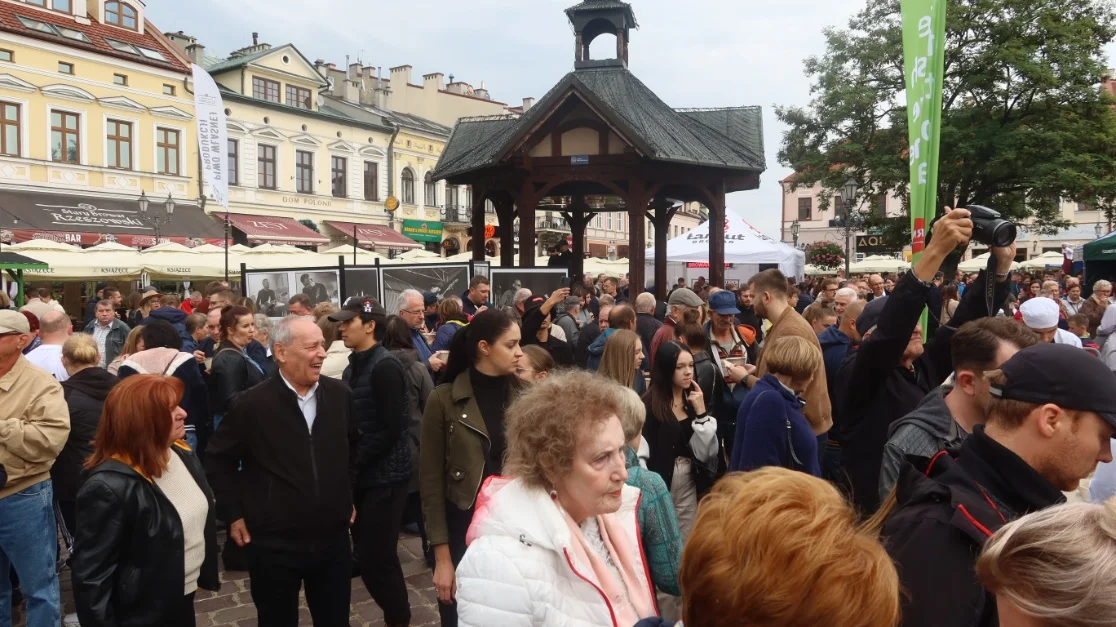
(578, 218)
(637, 237)
(526, 209)
(717, 235)
(505, 214)
(664, 213)
(478, 224)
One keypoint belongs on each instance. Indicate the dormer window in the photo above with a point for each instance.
(121, 14)
(63, 6)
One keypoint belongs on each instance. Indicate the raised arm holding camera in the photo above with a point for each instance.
(893, 370)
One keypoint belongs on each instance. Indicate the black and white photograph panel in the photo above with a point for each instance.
(362, 283)
(440, 279)
(320, 286)
(270, 290)
(507, 281)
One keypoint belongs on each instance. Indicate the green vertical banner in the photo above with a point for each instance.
(923, 63)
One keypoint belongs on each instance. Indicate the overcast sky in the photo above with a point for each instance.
(696, 53)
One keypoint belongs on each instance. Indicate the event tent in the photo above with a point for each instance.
(1100, 260)
(1051, 259)
(879, 263)
(980, 262)
(747, 251)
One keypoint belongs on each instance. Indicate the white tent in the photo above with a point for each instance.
(745, 248)
(1051, 259)
(879, 263)
(980, 262)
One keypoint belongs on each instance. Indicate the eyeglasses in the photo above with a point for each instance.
(413, 312)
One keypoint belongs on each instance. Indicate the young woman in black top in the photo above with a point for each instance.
(462, 440)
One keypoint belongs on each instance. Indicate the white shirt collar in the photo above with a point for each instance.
(313, 388)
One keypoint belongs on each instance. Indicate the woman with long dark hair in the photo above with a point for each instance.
(233, 371)
(147, 539)
(950, 301)
(681, 436)
(463, 441)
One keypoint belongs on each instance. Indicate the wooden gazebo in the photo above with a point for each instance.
(600, 140)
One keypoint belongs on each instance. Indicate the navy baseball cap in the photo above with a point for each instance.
(724, 303)
(1060, 374)
(429, 298)
(870, 316)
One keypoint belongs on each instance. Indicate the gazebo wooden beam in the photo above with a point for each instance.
(636, 201)
(717, 234)
(664, 212)
(505, 215)
(478, 223)
(578, 218)
(527, 200)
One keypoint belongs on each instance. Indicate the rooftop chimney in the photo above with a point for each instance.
(255, 39)
(528, 103)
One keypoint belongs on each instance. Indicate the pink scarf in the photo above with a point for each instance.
(639, 604)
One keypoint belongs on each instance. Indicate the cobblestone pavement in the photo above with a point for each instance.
(231, 606)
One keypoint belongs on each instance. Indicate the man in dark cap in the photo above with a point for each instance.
(1042, 437)
(383, 454)
(430, 310)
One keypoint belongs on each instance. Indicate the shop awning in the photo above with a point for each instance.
(276, 230)
(88, 220)
(374, 235)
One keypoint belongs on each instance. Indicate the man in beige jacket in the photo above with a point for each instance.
(770, 290)
(34, 425)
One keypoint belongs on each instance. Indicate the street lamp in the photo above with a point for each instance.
(1098, 230)
(848, 222)
(794, 232)
(156, 221)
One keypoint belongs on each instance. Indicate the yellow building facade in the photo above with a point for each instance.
(94, 110)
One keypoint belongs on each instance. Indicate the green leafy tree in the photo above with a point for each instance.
(310, 224)
(1025, 120)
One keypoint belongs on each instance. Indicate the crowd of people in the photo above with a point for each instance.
(773, 453)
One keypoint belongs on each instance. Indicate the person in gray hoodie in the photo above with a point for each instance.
(947, 415)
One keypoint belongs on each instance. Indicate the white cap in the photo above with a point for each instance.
(1040, 313)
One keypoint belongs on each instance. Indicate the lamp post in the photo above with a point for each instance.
(794, 232)
(156, 221)
(848, 222)
(1098, 230)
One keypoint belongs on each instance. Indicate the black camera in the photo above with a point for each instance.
(990, 228)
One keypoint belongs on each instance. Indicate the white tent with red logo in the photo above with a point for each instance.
(747, 251)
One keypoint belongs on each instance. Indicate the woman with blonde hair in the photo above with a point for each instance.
(557, 541)
(536, 365)
(773, 548)
(1056, 566)
(132, 345)
(621, 359)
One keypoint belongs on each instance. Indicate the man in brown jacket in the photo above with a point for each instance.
(34, 425)
(770, 289)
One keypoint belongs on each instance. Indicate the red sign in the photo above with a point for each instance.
(919, 239)
(702, 264)
(489, 230)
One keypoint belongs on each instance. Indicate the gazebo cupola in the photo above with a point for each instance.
(594, 18)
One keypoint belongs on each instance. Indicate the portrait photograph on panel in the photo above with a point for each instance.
(440, 279)
(362, 283)
(270, 291)
(320, 286)
(507, 281)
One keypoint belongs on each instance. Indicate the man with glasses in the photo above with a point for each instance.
(828, 292)
(34, 426)
(412, 311)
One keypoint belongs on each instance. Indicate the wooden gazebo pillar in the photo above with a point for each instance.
(637, 237)
(578, 218)
(664, 213)
(526, 204)
(505, 216)
(717, 235)
(478, 224)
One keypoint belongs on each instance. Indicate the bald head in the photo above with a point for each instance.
(55, 327)
(848, 321)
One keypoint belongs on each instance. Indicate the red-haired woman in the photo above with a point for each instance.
(147, 538)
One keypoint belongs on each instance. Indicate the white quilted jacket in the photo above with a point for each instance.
(519, 570)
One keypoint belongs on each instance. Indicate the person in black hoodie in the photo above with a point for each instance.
(536, 326)
(1042, 437)
(893, 370)
(168, 310)
(85, 391)
(381, 405)
(280, 464)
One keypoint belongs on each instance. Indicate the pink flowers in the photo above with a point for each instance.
(824, 255)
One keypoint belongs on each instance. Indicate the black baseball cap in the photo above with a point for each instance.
(532, 304)
(1061, 374)
(870, 316)
(429, 298)
(366, 308)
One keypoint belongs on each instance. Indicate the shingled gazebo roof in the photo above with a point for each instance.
(730, 138)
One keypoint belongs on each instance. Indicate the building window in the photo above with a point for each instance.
(881, 205)
(304, 172)
(168, 90)
(234, 162)
(9, 129)
(7, 55)
(1084, 206)
(371, 180)
(61, 5)
(65, 143)
(65, 68)
(337, 177)
(430, 191)
(264, 89)
(166, 151)
(119, 79)
(265, 167)
(408, 187)
(121, 14)
(298, 97)
(453, 199)
(838, 206)
(469, 198)
(119, 149)
(805, 208)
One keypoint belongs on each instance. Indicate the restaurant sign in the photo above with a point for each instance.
(422, 230)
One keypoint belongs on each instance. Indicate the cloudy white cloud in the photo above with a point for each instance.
(697, 53)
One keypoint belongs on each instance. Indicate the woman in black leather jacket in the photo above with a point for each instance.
(147, 539)
(233, 371)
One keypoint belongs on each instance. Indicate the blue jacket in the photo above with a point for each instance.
(175, 316)
(762, 430)
(835, 347)
(596, 350)
(421, 346)
(445, 334)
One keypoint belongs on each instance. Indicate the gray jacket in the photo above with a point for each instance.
(921, 433)
(569, 326)
(114, 343)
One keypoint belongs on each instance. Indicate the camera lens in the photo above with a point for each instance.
(1003, 234)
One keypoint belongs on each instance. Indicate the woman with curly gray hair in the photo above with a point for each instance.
(1056, 566)
(556, 542)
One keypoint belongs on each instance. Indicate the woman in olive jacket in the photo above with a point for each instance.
(462, 439)
(148, 538)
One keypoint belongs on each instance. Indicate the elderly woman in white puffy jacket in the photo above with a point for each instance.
(556, 542)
